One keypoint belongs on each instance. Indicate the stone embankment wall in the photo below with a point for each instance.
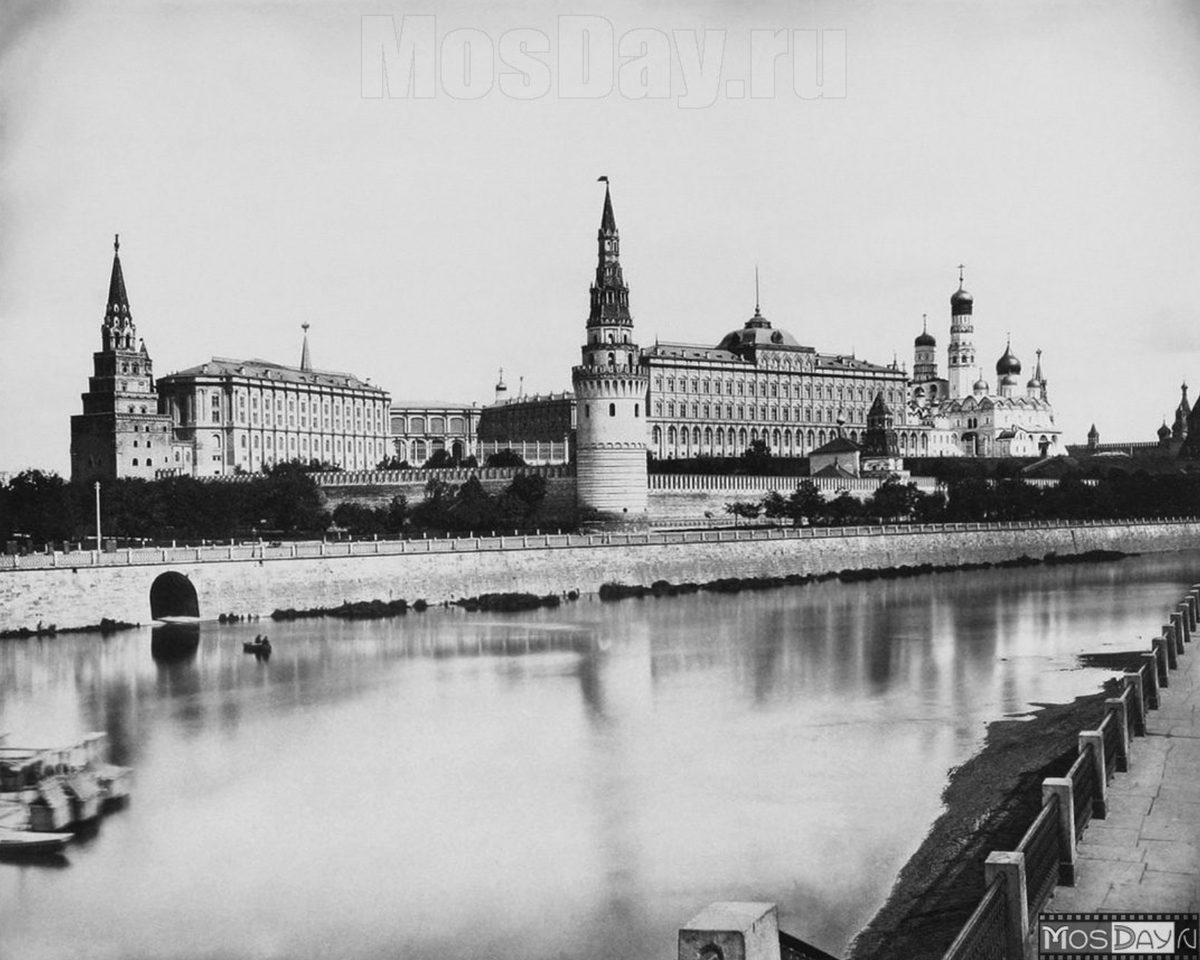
(73, 590)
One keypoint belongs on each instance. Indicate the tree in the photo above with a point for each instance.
(39, 506)
(289, 500)
(756, 459)
(473, 508)
(505, 458)
(806, 502)
(843, 508)
(441, 460)
(774, 505)
(747, 509)
(893, 500)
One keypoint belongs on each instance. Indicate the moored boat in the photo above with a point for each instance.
(260, 646)
(25, 843)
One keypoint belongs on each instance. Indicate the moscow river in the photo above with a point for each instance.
(572, 783)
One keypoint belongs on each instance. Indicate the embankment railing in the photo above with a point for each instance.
(1017, 883)
(1046, 855)
(276, 550)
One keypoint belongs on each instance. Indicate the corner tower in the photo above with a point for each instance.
(120, 432)
(961, 361)
(610, 391)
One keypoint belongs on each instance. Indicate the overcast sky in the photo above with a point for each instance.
(1051, 147)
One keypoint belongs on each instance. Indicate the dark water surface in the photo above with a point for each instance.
(563, 784)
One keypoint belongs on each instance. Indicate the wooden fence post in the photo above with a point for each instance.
(1011, 865)
(1188, 619)
(1150, 679)
(1169, 647)
(1160, 658)
(1133, 682)
(1062, 788)
(1119, 711)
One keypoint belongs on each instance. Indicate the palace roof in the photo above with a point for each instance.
(276, 372)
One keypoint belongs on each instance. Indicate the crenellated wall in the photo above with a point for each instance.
(73, 590)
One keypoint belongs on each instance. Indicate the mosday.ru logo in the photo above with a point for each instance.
(1166, 935)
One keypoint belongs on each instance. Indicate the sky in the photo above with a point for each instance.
(262, 175)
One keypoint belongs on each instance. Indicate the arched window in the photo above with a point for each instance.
(612, 409)
(637, 410)
(135, 463)
(612, 359)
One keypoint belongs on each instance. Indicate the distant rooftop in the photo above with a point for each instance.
(266, 370)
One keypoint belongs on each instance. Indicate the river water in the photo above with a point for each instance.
(574, 783)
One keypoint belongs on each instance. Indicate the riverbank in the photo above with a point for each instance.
(256, 578)
(990, 801)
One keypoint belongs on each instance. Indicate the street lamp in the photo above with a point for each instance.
(97, 518)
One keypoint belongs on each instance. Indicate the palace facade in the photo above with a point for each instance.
(218, 418)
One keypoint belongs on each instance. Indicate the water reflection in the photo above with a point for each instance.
(442, 784)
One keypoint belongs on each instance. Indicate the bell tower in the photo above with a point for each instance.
(610, 391)
(961, 361)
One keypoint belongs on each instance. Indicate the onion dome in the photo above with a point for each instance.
(1164, 432)
(981, 386)
(1008, 363)
(961, 302)
(925, 338)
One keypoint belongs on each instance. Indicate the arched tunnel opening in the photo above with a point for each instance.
(172, 595)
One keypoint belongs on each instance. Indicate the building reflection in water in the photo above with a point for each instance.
(616, 764)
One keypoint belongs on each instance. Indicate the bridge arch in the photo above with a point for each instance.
(172, 595)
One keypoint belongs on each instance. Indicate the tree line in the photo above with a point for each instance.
(977, 499)
(38, 507)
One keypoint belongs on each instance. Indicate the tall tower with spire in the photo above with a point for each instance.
(610, 391)
(120, 432)
(961, 361)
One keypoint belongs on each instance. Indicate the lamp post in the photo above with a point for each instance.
(97, 521)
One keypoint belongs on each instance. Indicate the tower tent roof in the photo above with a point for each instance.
(118, 299)
(608, 222)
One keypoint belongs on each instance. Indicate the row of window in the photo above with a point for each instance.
(429, 425)
(790, 391)
(690, 441)
(728, 411)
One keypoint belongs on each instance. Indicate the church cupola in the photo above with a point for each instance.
(961, 302)
(1008, 362)
(924, 354)
(1179, 430)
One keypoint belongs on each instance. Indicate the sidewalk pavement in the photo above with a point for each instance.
(1145, 856)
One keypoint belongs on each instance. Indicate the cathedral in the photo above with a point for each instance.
(964, 415)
